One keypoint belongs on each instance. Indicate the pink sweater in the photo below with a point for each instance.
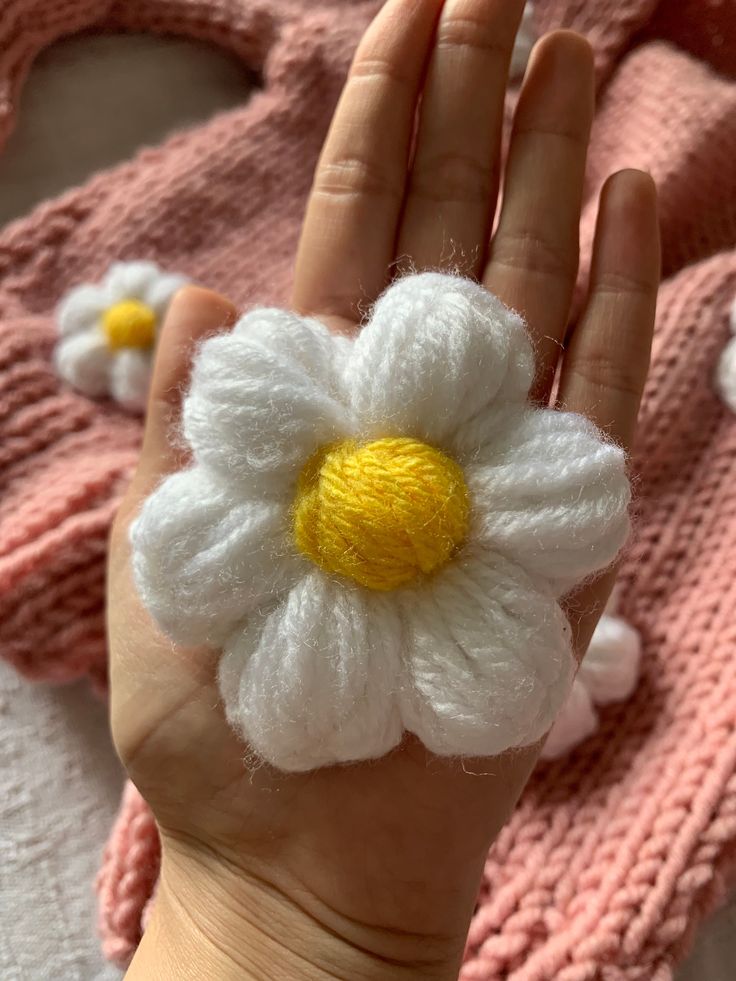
(615, 853)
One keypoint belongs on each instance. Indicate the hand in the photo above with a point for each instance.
(371, 871)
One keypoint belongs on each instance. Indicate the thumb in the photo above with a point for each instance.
(194, 314)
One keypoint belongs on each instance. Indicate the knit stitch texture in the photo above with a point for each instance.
(616, 852)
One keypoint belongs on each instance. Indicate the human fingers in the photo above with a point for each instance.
(452, 187)
(607, 358)
(533, 259)
(193, 314)
(349, 232)
(605, 365)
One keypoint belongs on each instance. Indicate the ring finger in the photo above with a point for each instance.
(533, 259)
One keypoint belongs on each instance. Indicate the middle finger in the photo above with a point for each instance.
(453, 182)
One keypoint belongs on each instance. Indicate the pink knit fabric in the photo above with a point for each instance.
(615, 853)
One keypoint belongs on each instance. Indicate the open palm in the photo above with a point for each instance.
(381, 861)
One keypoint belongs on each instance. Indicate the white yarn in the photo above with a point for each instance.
(316, 670)
(609, 673)
(316, 681)
(83, 357)
(726, 370)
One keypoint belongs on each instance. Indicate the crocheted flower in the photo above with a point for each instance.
(609, 673)
(726, 372)
(377, 532)
(108, 332)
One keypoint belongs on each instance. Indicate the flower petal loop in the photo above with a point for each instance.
(130, 379)
(260, 401)
(438, 350)
(203, 562)
(84, 360)
(314, 682)
(550, 494)
(488, 658)
(81, 309)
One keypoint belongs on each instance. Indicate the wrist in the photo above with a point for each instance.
(211, 919)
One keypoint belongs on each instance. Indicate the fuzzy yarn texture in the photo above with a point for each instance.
(394, 524)
(608, 673)
(616, 852)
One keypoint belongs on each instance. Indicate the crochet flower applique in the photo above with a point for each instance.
(377, 532)
(609, 673)
(726, 371)
(108, 332)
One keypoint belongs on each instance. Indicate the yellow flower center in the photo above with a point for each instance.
(380, 513)
(129, 323)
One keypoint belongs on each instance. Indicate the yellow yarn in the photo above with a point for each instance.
(129, 323)
(380, 513)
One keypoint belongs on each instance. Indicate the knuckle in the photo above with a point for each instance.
(536, 254)
(379, 70)
(451, 177)
(355, 175)
(604, 370)
(560, 137)
(475, 35)
(620, 284)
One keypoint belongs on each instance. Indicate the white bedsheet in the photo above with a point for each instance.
(59, 788)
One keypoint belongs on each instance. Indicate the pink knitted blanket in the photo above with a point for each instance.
(615, 853)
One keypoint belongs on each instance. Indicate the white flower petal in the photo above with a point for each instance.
(552, 496)
(314, 682)
(726, 375)
(84, 361)
(130, 378)
(160, 292)
(129, 280)
(610, 668)
(576, 721)
(262, 400)
(489, 658)
(203, 560)
(437, 351)
(81, 309)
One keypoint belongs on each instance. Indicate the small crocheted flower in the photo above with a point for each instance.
(726, 371)
(609, 673)
(377, 532)
(108, 332)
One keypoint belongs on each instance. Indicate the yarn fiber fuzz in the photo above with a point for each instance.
(448, 626)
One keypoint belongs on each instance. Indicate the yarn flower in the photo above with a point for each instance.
(726, 371)
(609, 673)
(377, 532)
(108, 332)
